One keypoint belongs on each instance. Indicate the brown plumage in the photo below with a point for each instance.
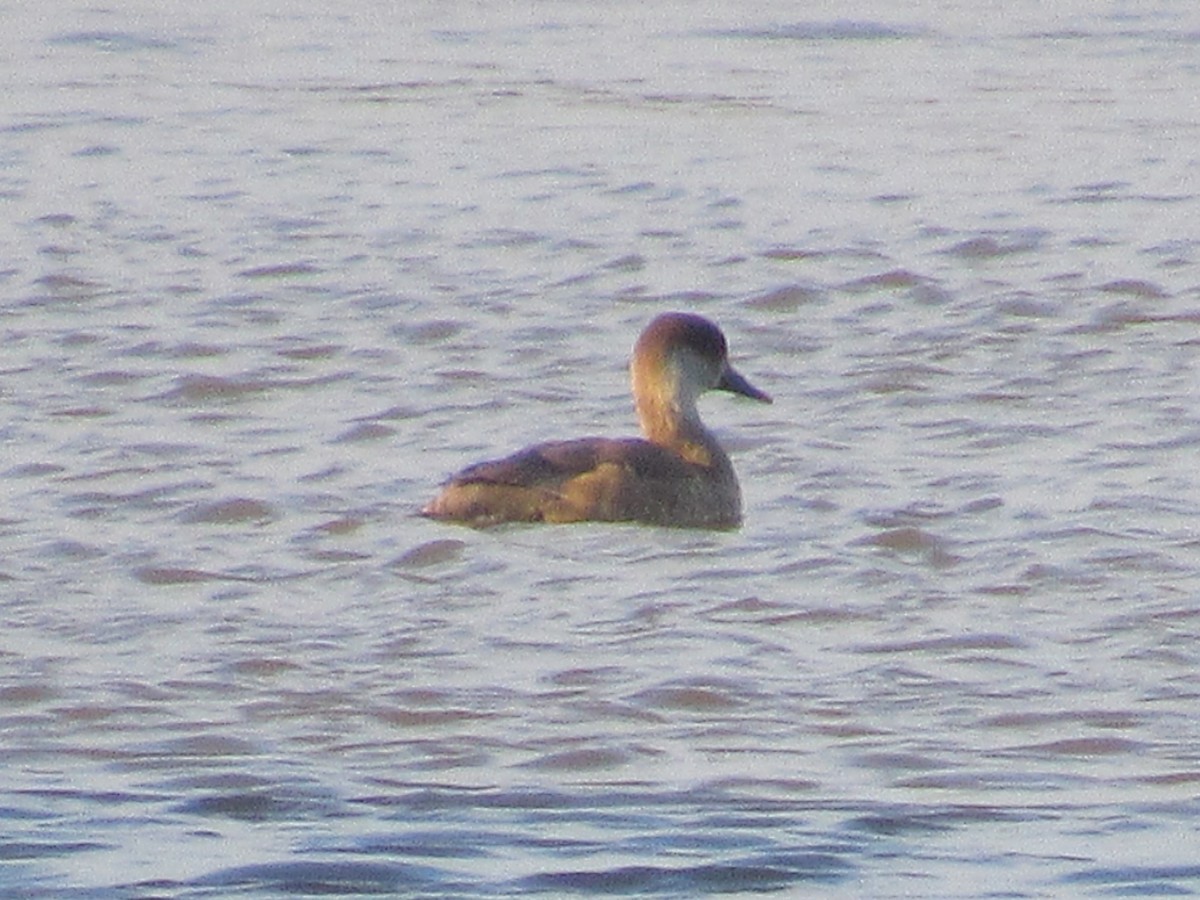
(678, 476)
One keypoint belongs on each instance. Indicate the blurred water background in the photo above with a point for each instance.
(271, 271)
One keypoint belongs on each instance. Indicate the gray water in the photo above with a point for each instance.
(271, 272)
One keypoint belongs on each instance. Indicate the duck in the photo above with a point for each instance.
(676, 475)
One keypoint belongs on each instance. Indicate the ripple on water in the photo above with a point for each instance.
(230, 511)
(329, 877)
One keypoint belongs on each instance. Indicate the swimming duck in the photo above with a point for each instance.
(677, 476)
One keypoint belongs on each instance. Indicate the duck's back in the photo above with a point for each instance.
(592, 479)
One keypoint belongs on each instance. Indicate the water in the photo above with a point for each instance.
(270, 274)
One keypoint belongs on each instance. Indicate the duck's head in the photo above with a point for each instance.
(679, 356)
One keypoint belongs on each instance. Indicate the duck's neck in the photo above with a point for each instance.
(672, 421)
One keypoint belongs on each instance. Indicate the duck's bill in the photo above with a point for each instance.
(734, 383)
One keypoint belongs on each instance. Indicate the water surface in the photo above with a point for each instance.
(270, 275)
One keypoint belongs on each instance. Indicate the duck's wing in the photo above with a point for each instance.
(558, 461)
(561, 481)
